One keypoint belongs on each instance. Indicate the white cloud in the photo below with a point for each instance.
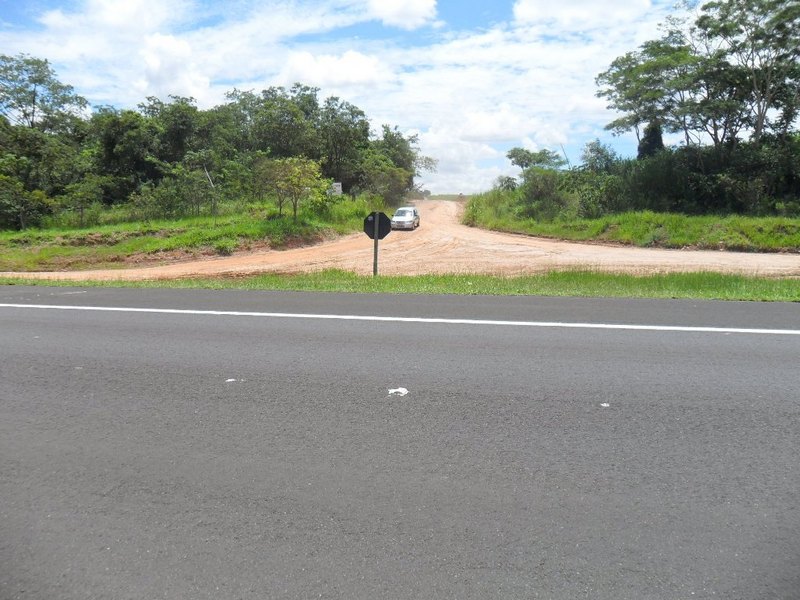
(169, 68)
(459, 168)
(98, 45)
(141, 14)
(349, 69)
(580, 13)
(500, 125)
(406, 14)
(110, 18)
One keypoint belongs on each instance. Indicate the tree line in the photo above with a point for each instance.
(170, 158)
(726, 83)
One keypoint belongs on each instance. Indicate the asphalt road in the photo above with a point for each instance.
(196, 455)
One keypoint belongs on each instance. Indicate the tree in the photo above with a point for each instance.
(649, 85)
(206, 163)
(397, 148)
(170, 158)
(382, 177)
(280, 122)
(232, 123)
(82, 194)
(30, 94)
(39, 160)
(652, 141)
(763, 38)
(20, 208)
(526, 159)
(731, 71)
(126, 144)
(344, 133)
(285, 124)
(292, 180)
(716, 102)
(176, 125)
(540, 195)
(598, 157)
(506, 183)
(390, 164)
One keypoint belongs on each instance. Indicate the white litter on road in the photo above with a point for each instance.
(398, 392)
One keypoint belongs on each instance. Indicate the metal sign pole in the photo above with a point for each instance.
(377, 225)
(375, 259)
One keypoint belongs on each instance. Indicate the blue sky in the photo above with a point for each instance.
(471, 79)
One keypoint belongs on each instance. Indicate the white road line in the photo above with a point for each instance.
(542, 324)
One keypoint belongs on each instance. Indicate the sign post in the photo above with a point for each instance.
(376, 237)
(377, 226)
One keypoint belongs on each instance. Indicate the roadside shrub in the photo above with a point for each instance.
(321, 203)
(541, 195)
(492, 208)
(373, 202)
(788, 208)
(658, 183)
(281, 231)
(19, 208)
(472, 212)
(596, 193)
(348, 209)
(225, 247)
(71, 218)
(143, 204)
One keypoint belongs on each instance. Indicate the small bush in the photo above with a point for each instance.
(541, 195)
(472, 212)
(225, 247)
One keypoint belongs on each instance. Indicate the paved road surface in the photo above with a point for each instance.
(191, 455)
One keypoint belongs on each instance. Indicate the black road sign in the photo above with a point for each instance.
(384, 225)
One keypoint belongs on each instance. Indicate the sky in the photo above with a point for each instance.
(472, 79)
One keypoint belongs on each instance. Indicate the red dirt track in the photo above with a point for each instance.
(442, 245)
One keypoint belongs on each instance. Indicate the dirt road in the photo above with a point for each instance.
(443, 245)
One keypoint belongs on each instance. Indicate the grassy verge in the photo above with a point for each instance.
(107, 246)
(646, 229)
(709, 286)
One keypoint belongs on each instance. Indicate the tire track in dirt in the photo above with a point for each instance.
(443, 245)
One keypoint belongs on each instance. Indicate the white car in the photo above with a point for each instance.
(405, 217)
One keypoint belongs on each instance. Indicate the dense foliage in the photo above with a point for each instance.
(171, 159)
(727, 84)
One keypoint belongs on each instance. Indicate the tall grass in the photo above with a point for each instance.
(495, 210)
(109, 244)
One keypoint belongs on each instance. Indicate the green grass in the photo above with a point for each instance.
(658, 230)
(646, 229)
(111, 245)
(709, 286)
